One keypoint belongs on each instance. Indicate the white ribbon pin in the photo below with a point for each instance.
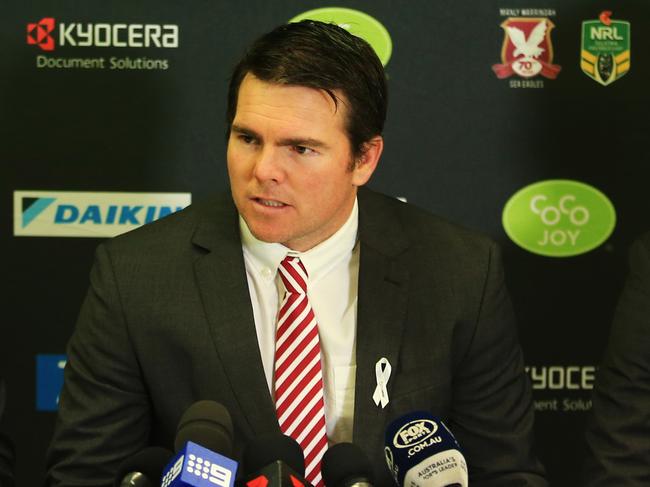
(382, 372)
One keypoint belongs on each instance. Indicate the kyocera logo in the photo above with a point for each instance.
(85, 214)
(77, 34)
(414, 432)
(39, 33)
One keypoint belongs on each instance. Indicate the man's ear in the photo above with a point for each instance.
(366, 163)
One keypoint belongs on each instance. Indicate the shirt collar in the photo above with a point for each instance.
(318, 261)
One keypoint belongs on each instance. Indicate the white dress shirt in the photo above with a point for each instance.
(333, 270)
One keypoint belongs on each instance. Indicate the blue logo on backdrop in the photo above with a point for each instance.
(35, 209)
(113, 214)
(89, 214)
(49, 381)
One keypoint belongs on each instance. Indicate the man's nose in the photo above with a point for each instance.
(268, 165)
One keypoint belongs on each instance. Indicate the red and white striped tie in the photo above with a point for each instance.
(298, 375)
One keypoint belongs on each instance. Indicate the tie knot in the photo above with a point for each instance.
(294, 275)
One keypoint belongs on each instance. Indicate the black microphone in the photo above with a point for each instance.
(143, 469)
(345, 465)
(203, 442)
(207, 423)
(274, 460)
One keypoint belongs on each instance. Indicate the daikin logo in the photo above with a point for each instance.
(357, 23)
(85, 214)
(559, 218)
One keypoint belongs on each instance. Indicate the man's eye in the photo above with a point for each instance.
(302, 150)
(246, 139)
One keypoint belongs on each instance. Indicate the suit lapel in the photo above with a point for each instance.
(383, 286)
(221, 277)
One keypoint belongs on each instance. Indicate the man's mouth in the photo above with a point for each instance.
(269, 203)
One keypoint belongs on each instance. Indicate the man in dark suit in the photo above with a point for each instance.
(618, 430)
(183, 309)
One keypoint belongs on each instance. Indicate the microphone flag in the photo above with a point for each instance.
(277, 474)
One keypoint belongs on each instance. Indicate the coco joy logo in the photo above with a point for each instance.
(559, 218)
(357, 23)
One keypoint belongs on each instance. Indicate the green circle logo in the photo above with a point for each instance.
(559, 218)
(357, 23)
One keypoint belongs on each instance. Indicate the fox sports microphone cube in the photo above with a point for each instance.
(421, 452)
(195, 466)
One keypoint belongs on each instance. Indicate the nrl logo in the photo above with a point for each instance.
(605, 51)
(527, 50)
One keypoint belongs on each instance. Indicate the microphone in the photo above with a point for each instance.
(275, 460)
(203, 441)
(345, 465)
(422, 452)
(207, 423)
(143, 469)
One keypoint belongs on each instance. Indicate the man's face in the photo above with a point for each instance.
(291, 165)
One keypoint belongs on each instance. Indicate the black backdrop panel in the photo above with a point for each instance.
(459, 141)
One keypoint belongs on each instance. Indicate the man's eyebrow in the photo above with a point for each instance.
(289, 141)
(299, 141)
(244, 131)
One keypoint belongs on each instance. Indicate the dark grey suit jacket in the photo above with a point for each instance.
(618, 430)
(168, 321)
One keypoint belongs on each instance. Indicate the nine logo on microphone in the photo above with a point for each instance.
(198, 466)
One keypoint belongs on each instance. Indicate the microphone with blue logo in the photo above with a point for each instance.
(422, 452)
(203, 443)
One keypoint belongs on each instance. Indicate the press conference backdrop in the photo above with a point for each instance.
(526, 120)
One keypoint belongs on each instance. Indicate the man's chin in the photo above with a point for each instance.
(267, 235)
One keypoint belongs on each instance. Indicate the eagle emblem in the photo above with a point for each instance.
(527, 50)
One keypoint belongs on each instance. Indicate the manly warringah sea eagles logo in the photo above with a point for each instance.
(527, 50)
(605, 53)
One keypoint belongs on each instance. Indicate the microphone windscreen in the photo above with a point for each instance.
(267, 449)
(422, 452)
(150, 461)
(344, 464)
(207, 423)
